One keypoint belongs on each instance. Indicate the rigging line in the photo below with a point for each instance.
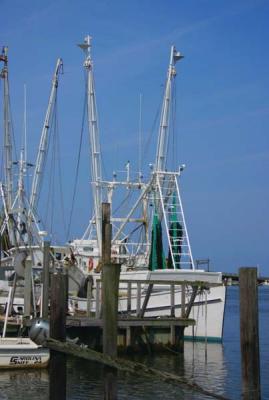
(153, 127)
(12, 129)
(174, 125)
(78, 164)
(2, 155)
(51, 167)
(58, 158)
(48, 146)
(123, 201)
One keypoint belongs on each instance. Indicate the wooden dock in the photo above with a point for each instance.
(156, 331)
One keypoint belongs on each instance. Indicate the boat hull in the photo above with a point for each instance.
(22, 353)
(207, 310)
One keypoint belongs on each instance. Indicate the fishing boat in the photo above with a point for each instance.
(22, 353)
(21, 230)
(150, 238)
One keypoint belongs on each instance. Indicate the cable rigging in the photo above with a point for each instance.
(78, 164)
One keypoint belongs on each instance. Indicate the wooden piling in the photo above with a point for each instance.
(249, 333)
(58, 307)
(110, 291)
(45, 279)
(110, 287)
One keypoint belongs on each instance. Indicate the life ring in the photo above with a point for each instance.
(90, 264)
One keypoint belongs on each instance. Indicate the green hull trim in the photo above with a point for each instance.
(209, 339)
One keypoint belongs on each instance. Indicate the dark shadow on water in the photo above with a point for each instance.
(110, 383)
(57, 376)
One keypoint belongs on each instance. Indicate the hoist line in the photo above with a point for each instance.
(153, 127)
(78, 163)
(59, 169)
(52, 166)
(173, 118)
(41, 178)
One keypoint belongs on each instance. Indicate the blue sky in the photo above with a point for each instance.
(222, 104)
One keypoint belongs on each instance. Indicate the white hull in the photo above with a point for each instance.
(22, 353)
(208, 308)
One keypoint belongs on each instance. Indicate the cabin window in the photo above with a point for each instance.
(87, 248)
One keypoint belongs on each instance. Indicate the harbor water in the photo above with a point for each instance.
(215, 367)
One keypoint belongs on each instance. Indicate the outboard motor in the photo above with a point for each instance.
(39, 331)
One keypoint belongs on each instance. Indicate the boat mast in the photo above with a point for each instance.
(161, 154)
(43, 145)
(94, 139)
(7, 131)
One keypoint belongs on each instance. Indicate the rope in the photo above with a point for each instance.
(58, 147)
(152, 131)
(78, 164)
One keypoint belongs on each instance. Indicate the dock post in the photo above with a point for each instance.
(45, 280)
(110, 290)
(58, 308)
(249, 334)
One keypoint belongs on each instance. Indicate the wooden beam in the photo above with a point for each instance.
(131, 367)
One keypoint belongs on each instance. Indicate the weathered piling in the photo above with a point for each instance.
(110, 289)
(45, 280)
(249, 333)
(58, 307)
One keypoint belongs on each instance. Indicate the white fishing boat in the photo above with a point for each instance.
(22, 353)
(150, 240)
(21, 230)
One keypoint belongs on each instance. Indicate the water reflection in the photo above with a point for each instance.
(15, 384)
(87, 380)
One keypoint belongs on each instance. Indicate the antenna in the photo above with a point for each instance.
(140, 137)
(25, 123)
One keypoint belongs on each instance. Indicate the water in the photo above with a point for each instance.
(215, 367)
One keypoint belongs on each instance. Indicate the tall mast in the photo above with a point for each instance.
(94, 139)
(161, 155)
(43, 145)
(7, 131)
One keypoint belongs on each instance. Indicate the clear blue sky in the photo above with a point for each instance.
(222, 103)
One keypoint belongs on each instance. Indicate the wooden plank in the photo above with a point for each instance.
(146, 300)
(172, 300)
(183, 300)
(138, 299)
(191, 301)
(131, 367)
(249, 333)
(129, 297)
(136, 322)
